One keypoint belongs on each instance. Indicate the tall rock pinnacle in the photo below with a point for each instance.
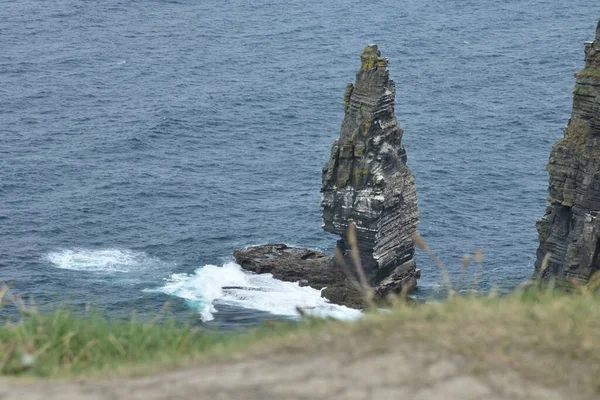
(570, 230)
(367, 181)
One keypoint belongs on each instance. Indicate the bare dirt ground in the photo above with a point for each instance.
(401, 372)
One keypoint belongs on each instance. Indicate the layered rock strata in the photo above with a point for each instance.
(569, 232)
(367, 181)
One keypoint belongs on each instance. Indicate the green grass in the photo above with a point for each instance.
(62, 344)
(525, 330)
(588, 73)
(576, 134)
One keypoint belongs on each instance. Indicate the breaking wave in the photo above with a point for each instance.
(107, 260)
(231, 285)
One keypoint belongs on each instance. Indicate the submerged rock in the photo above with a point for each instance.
(367, 181)
(570, 230)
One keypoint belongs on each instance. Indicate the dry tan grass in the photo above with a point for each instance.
(546, 337)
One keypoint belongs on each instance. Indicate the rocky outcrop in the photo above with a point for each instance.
(308, 267)
(367, 181)
(570, 230)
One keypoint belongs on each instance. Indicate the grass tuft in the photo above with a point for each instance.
(588, 73)
(63, 344)
(526, 331)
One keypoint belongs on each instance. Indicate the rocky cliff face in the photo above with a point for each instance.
(367, 181)
(570, 230)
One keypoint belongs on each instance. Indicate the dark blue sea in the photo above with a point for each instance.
(141, 142)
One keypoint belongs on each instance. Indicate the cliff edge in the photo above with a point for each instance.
(569, 232)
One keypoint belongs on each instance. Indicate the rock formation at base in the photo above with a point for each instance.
(308, 267)
(570, 229)
(367, 181)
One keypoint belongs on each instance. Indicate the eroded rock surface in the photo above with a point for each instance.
(570, 229)
(309, 267)
(367, 181)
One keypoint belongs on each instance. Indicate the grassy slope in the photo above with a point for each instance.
(547, 337)
(63, 345)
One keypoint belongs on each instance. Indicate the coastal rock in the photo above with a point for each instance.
(570, 229)
(308, 267)
(367, 181)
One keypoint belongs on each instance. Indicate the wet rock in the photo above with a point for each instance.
(367, 181)
(308, 267)
(570, 229)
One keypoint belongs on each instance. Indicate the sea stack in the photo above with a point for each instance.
(367, 181)
(569, 232)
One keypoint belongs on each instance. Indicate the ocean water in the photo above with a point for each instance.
(141, 142)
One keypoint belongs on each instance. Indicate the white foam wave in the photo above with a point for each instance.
(107, 260)
(231, 285)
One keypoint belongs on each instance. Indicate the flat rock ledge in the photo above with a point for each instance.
(308, 267)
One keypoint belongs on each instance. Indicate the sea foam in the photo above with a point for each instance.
(106, 260)
(231, 285)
